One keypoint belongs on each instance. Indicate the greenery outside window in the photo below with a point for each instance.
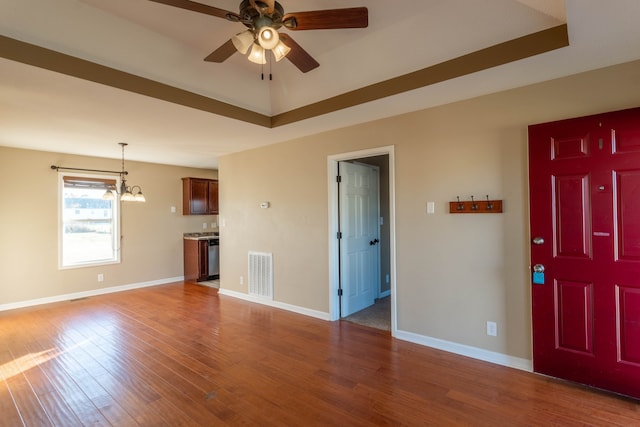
(89, 225)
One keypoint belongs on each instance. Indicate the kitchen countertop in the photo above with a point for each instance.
(201, 236)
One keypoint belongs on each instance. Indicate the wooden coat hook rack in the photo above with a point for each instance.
(475, 206)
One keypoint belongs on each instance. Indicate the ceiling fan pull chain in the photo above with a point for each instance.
(270, 61)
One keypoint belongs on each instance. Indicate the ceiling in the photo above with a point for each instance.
(133, 70)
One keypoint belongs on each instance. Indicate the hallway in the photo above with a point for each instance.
(376, 316)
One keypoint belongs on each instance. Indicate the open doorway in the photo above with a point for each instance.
(380, 159)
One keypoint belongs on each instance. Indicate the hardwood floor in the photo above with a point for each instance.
(182, 355)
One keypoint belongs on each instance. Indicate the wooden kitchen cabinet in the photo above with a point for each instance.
(212, 201)
(196, 260)
(199, 196)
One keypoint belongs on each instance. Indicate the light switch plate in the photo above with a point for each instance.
(492, 329)
(431, 208)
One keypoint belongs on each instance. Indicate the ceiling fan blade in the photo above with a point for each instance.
(330, 19)
(298, 56)
(202, 8)
(222, 53)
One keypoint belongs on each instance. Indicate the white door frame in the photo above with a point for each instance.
(334, 259)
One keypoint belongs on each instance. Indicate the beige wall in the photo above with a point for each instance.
(454, 272)
(152, 242)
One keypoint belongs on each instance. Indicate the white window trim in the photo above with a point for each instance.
(116, 229)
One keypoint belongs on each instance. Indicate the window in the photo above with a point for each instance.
(89, 225)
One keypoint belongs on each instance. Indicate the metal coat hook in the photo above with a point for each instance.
(489, 204)
(460, 205)
(474, 205)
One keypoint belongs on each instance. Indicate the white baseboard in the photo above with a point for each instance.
(451, 347)
(469, 351)
(85, 294)
(289, 307)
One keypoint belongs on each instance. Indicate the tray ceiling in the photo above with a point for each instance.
(79, 76)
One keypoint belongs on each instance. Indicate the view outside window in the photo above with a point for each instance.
(89, 223)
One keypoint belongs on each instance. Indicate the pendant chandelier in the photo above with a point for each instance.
(126, 193)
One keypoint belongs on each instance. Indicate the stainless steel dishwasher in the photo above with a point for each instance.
(214, 258)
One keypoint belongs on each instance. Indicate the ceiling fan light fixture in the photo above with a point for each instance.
(268, 38)
(280, 51)
(243, 41)
(290, 23)
(257, 55)
(264, 18)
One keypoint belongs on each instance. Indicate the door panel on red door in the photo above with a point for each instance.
(627, 302)
(584, 178)
(626, 140)
(574, 316)
(573, 147)
(572, 219)
(627, 204)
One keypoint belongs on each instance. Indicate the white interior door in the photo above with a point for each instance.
(359, 249)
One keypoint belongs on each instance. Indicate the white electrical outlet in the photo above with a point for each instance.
(492, 329)
(100, 277)
(204, 225)
(242, 280)
(214, 225)
(173, 209)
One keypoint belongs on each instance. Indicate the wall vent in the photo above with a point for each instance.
(261, 274)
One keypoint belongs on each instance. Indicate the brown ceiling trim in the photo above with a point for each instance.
(503, 53)
(55, 61)
(512, 50)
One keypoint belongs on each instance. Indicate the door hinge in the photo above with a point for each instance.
(340, 292)
(339, 235)
(338, 178)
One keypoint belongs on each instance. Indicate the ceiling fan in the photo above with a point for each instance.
(263, 18)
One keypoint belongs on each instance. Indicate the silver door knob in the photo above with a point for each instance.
(538, 268)
(538, 240)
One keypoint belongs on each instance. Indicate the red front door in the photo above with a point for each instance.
(584, 177)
